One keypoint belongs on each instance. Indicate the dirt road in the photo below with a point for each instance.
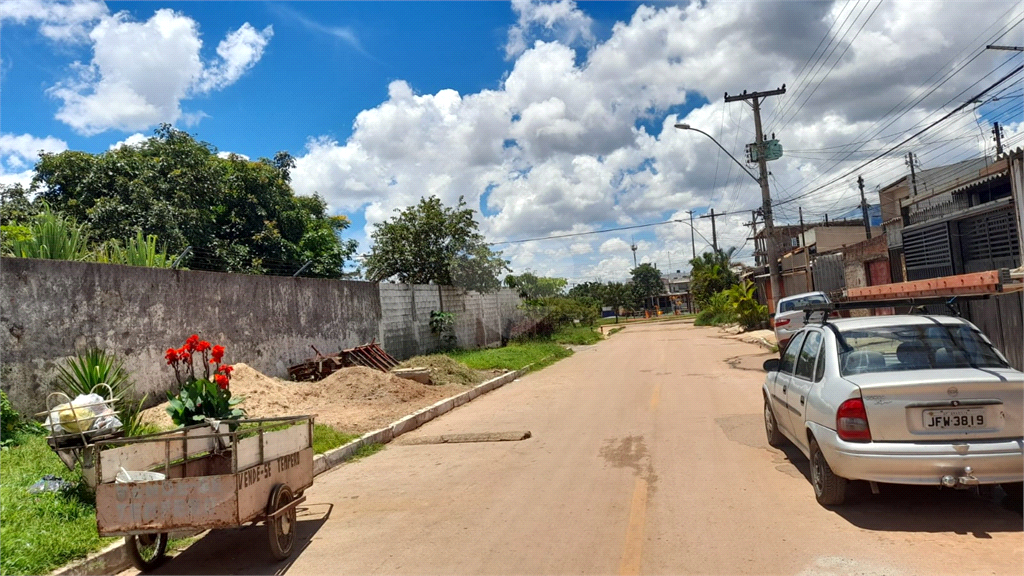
(647, 456)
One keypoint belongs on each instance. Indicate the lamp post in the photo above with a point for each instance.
(766, 206)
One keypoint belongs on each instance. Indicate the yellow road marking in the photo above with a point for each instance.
(630, 565)
(655, 397)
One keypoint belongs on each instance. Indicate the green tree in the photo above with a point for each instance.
(237, 215)
(531, 286)
(647, 281)
(432, 242)
(618, 295)
(711, 273)
(591, 290)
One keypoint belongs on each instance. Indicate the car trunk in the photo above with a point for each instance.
(943, 404)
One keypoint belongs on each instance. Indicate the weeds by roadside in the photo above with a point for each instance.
(41, 532)
(326, 438)
(367, 450)
(512, 357)
(577, 335)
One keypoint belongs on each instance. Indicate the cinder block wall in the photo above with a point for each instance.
(50, 309)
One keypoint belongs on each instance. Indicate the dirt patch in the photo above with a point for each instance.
(445, 370)
(355, 399)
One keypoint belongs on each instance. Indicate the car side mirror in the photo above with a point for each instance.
(771, 365)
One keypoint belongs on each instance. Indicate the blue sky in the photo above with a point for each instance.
(548, 117)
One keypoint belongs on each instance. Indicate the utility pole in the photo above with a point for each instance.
(633, 247)
(864, 207)
(998, 132)
(913, 175)
(766, 198)
(807, 252)
(693, 243)
(714, 231)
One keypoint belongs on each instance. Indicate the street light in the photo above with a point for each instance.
(738, 163)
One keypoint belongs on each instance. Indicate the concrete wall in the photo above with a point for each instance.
(51, 309)
(481, 320)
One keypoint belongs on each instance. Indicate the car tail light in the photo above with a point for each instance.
(852, 421)
(782, 322)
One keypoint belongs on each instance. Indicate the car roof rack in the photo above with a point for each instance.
(944, 290)
(913, 303)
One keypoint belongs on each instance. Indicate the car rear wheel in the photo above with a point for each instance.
(771, 427)
(829, 489)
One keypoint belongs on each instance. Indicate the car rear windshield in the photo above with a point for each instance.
(799, 303)
(918, 347)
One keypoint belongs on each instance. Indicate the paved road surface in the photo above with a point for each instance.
(648, 456)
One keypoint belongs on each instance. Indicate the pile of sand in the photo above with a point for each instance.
(355, 399)
(445, 370)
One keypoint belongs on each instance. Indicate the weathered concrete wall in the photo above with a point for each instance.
(481, 320)
(49, 309)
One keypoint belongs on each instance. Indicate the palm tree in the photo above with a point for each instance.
(711, 273)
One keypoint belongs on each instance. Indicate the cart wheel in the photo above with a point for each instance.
(146, 551)
(281, 528)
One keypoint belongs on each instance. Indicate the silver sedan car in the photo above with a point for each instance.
(904, 399)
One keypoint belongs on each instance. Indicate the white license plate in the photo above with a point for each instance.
(957, 419)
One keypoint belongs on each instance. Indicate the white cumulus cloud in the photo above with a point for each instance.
(579, 135)
(561, 20)
(141, 72)
(19, 153)
(60, 21)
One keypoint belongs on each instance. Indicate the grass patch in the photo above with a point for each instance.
(367, 450)
(326, 438)
(42, 532)
(445, 370)
(614, 330)
(578, 335)
(512, 357)
(709, 318)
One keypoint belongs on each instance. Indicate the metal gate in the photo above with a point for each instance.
(829, 274)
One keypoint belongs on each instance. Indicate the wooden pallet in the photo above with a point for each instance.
(321, 366)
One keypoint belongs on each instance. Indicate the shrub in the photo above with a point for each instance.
(81, 374)
(750, 313)
(443, 324)
(717, 312)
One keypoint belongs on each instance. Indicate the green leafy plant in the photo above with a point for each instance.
(750, 313)
(81, 375)
(51, 236)
(137, 251)
(11, 423)
(717, 312)
(443, 324)
(202, 397)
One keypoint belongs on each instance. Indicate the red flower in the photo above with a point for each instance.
(226, 369)
(171, 356)
(192, 342)
(184, 355)
(216, 354)
(203, 346)
(222, 381)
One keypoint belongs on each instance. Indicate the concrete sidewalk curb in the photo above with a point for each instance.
(328, 460)
(114, 558)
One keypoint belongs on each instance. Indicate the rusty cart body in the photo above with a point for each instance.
(206, 476)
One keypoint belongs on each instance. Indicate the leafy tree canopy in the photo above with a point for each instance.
(433, 242)
(647, 281)
(237, 215)
(531, 286)
(711, 274)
